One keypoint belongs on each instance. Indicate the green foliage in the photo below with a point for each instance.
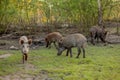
(83, 13)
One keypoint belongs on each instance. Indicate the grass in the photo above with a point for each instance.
(8, 65)
(101, 63)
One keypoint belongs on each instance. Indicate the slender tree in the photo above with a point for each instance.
(100, 19)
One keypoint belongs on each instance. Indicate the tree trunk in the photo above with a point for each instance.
(117, 29)
(100, 20)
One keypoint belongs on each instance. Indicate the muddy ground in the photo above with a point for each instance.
(11, 41)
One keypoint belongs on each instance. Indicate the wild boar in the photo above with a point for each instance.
(70, 41)
(97, 33)
(24, 42)
(52, 38)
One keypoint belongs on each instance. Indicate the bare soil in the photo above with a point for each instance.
(23, 75)
(9, 43)
(5, 55)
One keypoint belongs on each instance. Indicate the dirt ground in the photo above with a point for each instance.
(11, 41)
(22, 75)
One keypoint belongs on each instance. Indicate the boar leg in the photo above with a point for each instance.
(103, 40)
(70, 52)
(26, 56)
(92, 41)
(49, 45)
(79, 51)
(67, 52)
(55, 45)
(23, 58)
(83, 52)
(97, 37)
(92, 38)
(97, 40)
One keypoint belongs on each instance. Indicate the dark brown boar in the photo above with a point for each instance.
(52, 38)
(97, 32)
(70, 41)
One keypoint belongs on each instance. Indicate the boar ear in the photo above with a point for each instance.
(61, 40)
(21, 42)
(30, 41)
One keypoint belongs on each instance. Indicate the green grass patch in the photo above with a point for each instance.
(3, 52)
(101, 63)
(8, 64)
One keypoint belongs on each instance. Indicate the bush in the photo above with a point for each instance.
(2, 28)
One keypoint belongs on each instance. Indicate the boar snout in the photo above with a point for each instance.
(60, 50)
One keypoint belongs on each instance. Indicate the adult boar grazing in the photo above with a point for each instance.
(52, 38)
(70, 41)
(97, 33)
(24, 42)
